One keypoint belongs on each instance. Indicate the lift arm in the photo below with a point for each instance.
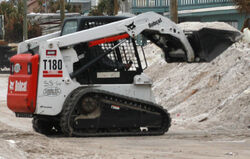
(197, 46)
(34, 42)
(148, 23)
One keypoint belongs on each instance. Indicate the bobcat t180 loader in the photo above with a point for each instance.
(87, 80)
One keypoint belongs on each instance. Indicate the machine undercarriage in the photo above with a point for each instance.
(92, 112)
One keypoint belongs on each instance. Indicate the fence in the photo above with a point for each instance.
(181, 3)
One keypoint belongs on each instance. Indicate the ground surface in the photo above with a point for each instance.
(18, 140)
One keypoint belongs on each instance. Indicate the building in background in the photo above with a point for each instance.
(94, 3)
(194, 10)
(85, 5)
(49, 22)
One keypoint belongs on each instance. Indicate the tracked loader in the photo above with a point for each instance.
(87, 79)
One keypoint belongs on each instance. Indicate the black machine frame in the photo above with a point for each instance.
(123, 60)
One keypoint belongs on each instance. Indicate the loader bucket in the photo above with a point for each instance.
(209, 43)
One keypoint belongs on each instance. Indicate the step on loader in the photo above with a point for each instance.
(87, 79)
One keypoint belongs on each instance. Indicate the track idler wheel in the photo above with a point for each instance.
(88, 104)
(45, 126)
(79, 107)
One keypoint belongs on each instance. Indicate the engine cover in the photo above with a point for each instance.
(22, 85)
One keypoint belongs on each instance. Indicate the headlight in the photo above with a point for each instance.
(17, 67)
(29, 68)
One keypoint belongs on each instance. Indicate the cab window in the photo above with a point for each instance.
(69, 27)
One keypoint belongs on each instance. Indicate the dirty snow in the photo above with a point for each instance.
(246, 33)
(212, 95)
(3, 87)
(213, 25)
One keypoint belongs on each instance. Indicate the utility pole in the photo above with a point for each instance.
(174, 10)
(25, 32)
(116, 7)
(2, 27)
(62, 10)
(46, 7)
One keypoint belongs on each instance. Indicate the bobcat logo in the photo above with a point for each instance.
(131, 26)
(21, 86)
(18, 86)
(154, 23)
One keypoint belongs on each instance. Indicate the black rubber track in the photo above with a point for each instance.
(46, 126)
(42, 126)
(72, 100)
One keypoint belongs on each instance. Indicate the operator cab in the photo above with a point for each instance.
(119, 66)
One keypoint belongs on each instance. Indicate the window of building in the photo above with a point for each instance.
(141, 3)
(151, 3)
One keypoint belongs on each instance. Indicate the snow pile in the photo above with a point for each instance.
(3, 87)
(212, 95)
(246, 33)
(213, 25)
(154, 54)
